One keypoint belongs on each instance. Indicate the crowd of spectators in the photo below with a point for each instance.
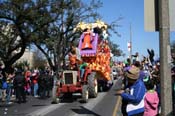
(19, 83)
(141, 86)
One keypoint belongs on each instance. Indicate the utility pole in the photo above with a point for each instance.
(165, 55)
(130, 43)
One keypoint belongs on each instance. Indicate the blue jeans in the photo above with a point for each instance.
(82, 73)
(9, 90)
(35, 89)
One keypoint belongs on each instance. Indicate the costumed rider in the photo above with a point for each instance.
(104, 33)
(82, 69)
(74, 57)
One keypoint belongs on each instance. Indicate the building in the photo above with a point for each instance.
(27, 56)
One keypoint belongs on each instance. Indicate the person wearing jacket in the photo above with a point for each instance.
(19, 84)
(133, 96)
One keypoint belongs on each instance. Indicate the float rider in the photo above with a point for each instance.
(74, 57)
(82, 69)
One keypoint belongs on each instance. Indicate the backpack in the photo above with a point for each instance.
(4, 85)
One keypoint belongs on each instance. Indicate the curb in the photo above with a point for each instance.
(117, 108)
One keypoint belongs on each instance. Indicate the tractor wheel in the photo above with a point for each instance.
(85, 93)
(93, 85)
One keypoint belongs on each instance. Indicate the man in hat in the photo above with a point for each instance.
(133, 95)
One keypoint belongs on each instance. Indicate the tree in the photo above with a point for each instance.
(114, 49)
(12, 46)
(24, 18)
(39, 60)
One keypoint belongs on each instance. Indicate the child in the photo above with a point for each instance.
(151, 99)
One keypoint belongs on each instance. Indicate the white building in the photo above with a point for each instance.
(27, 56)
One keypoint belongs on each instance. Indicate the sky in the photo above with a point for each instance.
(132, 12)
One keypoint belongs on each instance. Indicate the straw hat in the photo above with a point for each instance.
(133, 73)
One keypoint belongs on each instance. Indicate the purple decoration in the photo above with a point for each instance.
(89, 52)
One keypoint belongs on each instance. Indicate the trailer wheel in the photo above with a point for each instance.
(93, 85)
(85, 93)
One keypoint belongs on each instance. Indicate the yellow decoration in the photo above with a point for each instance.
(82, 25)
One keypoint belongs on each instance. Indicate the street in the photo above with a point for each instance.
(103, 105)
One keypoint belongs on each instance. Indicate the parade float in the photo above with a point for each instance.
(94, 51)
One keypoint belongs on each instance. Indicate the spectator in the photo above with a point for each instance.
(9, 81)
(151, 99)
(4, 85)
(133, 96)
(151, 55)
(19, 84)
(35, 76)
(136, 57)
(137, 64)
(1, 82)
(49, 84)
(173, 87)
(42, 84)
(27, 75)
(156, 79)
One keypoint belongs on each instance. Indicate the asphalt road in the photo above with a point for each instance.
(106, 104)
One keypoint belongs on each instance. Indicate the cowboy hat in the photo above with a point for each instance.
(133, 73)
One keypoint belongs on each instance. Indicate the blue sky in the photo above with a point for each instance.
(132, 12)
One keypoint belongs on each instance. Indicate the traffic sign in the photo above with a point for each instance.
(151, 15)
